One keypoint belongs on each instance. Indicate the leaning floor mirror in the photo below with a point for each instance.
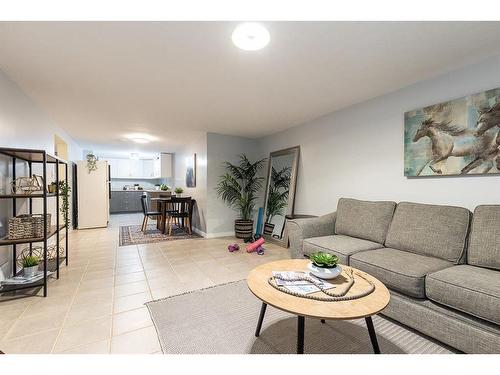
(280, 192)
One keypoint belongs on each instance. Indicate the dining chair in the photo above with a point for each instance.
(177, 209)
(146, 212)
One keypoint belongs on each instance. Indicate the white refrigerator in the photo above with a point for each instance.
(93, 195)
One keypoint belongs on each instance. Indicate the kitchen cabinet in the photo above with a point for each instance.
(147, 168)
(158, 167)
(126, 201)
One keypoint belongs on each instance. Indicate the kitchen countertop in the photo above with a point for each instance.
(139, 191)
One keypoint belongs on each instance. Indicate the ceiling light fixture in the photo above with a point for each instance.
(140, 140)
(250, 36)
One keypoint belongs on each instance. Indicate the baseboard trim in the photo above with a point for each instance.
(213, 235)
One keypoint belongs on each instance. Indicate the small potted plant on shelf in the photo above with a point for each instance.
(324, 265)
(30, 265)
(178, 191)
(52, 188)
(164, 187)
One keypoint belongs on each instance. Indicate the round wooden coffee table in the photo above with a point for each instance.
(363, 307)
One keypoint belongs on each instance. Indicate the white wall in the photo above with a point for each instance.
(358, 151)
(221, 148)
(197, 145)
(23, 124)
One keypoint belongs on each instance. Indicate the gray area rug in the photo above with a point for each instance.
(222, 319)
(133, 235)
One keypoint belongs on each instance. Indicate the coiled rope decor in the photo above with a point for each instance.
(331, 296)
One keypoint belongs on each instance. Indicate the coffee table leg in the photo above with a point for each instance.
(373, 336)
(300, 334)
(261, 319)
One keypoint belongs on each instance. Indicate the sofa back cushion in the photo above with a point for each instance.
(484, 243)
(437, 231)
(364, 219)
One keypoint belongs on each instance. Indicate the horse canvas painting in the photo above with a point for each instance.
(459, 137)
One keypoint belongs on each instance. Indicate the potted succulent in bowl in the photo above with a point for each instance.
(30, 265)
(324, 265)
(178, 191)
(164, 187)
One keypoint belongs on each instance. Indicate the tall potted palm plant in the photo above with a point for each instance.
(277, 198)
(238, 188)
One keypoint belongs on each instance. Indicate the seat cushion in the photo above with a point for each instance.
(399, 270)
(339, 245)
(436, 231)
(484, 243)
(473, 290)
(364, 219)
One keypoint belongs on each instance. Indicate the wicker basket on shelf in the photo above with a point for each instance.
(27, 226)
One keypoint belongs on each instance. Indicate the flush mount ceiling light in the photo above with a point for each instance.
(139, 138)
(250, 36)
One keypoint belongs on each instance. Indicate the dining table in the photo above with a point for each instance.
(160, 224)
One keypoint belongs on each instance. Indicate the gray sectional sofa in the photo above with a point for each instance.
(441, 263)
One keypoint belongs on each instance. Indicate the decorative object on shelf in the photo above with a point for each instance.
(30, 265)
(191, 171)
(27, 226)
(178, 191)
(164, 187)
(27, 185)
(324, 265)
(91, 162)
(37, 251)
(238, 188)
(52, 188)
(466, 129)
(64, 190)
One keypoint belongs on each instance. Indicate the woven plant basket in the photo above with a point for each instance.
(27, 226)
(268, 228)
(243, 228)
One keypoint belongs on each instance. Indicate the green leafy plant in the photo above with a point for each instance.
(91, 162)
(279, 187)
(179, 190)
(30, 261)
(164, 187)
(64, 190)
(238, 188)
(324, 260)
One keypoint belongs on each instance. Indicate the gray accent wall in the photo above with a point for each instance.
(358, 151)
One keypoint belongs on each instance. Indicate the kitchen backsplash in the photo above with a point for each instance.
(119, 183)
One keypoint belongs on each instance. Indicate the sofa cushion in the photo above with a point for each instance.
(339, 245)
(399, 270)
(484, 243)
(364, 219)
(473, 290)
(436, 231)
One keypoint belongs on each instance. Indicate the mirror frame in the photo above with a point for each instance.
(291, 193)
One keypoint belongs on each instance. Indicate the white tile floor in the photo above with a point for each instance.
(97, 305)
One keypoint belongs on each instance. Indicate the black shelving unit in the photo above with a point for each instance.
(36, 157)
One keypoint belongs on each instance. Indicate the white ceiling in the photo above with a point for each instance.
(100, 81)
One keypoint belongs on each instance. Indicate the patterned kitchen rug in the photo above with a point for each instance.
(132, 235)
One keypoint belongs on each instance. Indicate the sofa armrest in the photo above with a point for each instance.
(300, 229)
